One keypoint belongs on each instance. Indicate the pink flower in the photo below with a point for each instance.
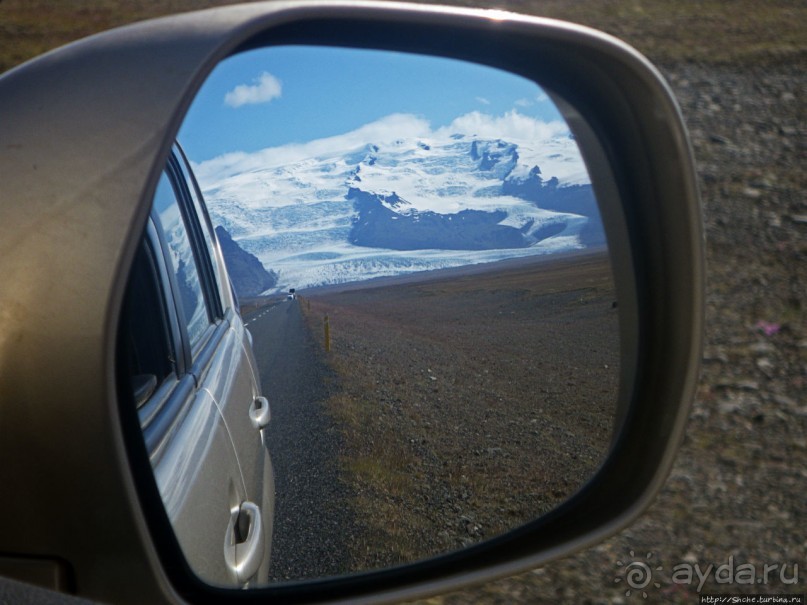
(768, 328)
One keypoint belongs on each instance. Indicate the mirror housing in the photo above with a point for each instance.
(77, 192)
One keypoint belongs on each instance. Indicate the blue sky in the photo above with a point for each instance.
(294, 94)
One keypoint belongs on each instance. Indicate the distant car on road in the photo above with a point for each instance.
(187, 357)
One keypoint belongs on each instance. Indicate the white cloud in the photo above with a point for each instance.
(265, 88)
(384, 131)
(543, 138)
(482, 100)
(537, 100)
(511, 125)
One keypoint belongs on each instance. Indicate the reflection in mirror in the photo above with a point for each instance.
(419, 257)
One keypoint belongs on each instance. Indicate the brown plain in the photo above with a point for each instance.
(470, 401)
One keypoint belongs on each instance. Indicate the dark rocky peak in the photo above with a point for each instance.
(247, 273)
(365, 199)
(495, 156)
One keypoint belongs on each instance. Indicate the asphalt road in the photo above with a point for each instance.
(312, 514)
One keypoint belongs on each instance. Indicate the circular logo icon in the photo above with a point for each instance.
(638, 574)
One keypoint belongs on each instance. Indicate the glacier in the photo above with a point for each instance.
(396, 197)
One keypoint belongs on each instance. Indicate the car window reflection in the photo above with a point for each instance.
(182, 261)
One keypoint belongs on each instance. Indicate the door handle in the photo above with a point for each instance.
(244, 543)
(259, 413)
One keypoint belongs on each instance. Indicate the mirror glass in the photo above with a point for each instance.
(420, 260)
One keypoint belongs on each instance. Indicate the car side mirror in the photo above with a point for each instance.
(83, 182)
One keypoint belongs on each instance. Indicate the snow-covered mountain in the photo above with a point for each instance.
(396, 197)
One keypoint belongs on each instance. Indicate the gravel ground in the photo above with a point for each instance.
(472, 402)
(736, 496)
(312, 519)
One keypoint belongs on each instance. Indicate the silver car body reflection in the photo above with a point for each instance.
(203, 416)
